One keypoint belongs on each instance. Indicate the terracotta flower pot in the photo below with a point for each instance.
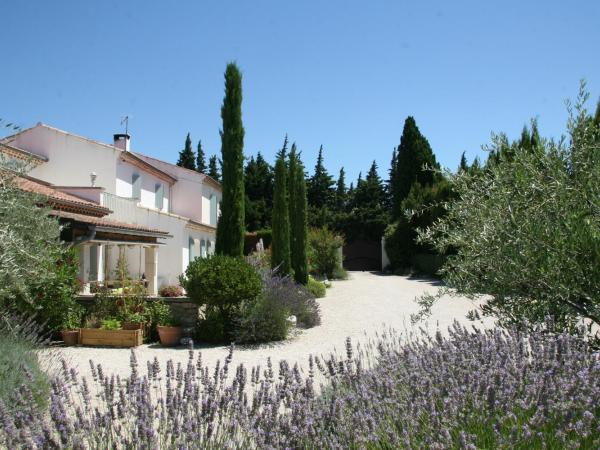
(169, 336)
(70, 337)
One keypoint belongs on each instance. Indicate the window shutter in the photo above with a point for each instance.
(159, 193)
(136, 186)
(213, 210)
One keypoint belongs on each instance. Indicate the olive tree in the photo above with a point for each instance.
(526, 231)
(38, 273)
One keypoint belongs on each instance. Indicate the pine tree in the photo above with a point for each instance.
(341, 197)
(298, 220)
(200, 159)
(413, 156)
(231, 225)
(280, 222)
(320, 188)
(258, 176)
(213, 169)
(464, 165)
(186, 156)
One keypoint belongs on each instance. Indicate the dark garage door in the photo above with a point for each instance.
(362, 255)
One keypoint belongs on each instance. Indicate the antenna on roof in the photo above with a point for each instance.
(125, 120)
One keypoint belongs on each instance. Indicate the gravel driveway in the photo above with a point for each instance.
(357, 308)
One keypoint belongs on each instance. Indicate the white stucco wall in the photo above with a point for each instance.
(70, 159)
(124, 186)
(190, 196)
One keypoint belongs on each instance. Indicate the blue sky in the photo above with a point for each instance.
(344, 74)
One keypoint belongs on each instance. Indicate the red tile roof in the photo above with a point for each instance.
(58, 199)
(108, 223)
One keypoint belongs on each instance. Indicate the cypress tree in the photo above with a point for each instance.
(213, 169)
(298, 223)
(186, 156)
(280, 222)
(597, 115)
(231, 225)
(525, 142)
(414, 153)
(200, 159)
(535, 135)
(291, 184)
(464, 165)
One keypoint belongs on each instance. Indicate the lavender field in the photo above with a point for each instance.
(471, 389)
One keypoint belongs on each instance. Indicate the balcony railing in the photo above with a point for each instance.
(124, 209)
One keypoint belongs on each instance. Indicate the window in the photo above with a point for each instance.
(203, 248)
(208, 248)
(191, 248)
(213, 210)
(136, 186)
(159, 193)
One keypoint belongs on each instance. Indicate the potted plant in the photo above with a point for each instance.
(71, 324)
(132, 321)
(169, 331)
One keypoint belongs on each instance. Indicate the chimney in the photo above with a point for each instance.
(122, 141)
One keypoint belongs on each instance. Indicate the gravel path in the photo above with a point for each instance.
(357, 308)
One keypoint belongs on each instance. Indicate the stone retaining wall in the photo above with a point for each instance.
(183, 309)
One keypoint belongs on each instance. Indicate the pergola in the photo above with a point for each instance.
(101, 241)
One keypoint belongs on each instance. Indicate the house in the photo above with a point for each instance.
(156, 215)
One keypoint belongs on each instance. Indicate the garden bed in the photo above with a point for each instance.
(111, 338)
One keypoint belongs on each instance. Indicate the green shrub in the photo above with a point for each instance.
(401, 246)
(339, 273)
(110, 324)
(324, 251)
(264, 320)
(157, 313)
(211, 328)
(316, 288)
(222, 283)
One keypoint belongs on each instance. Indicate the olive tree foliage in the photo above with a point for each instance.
(37, 271)
(526, 232)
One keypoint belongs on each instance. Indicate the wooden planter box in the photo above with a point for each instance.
(110, 338)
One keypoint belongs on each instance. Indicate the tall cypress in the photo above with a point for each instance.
(200, 159)
(463, 167)
(299, 217)
(340, 192)
(414, 153)
(291, 184)
(186, 156)
(230, 228)
(213, 169)
(280, 222)
(525, 141)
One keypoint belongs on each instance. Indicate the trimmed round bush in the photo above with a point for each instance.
(221, 283)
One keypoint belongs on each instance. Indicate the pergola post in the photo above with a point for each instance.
(151, 269)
